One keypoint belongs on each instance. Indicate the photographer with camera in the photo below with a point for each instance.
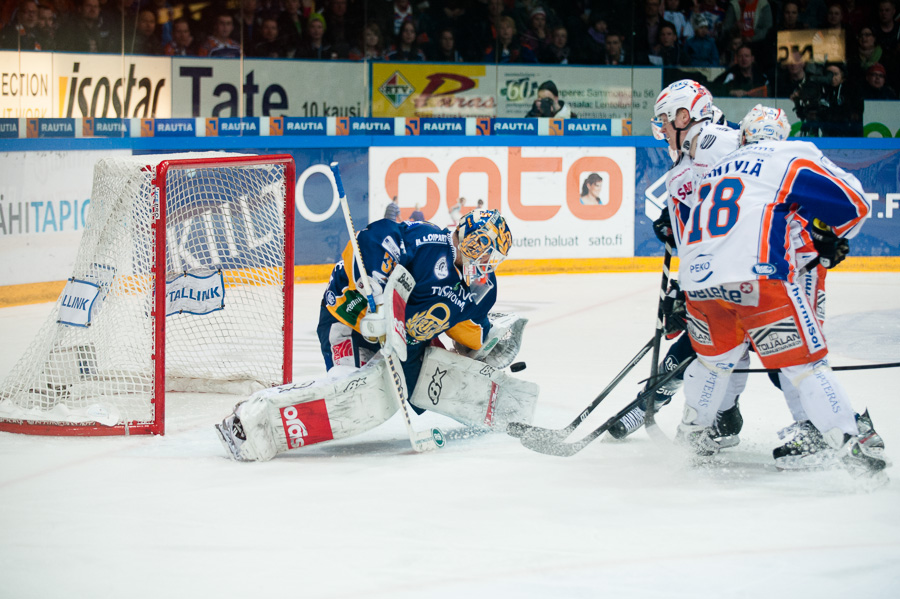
(549, 105)
(826, 103)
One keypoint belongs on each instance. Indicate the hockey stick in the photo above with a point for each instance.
(650, 408)
(552, 446)
(522, 430)
(836, 368)
(420, 440)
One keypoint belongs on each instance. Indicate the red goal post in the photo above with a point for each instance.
(183, 281)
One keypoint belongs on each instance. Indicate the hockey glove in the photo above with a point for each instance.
(663, 228)
(831, 248)
(373, 326)
(675, 311)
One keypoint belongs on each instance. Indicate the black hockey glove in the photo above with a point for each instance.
(663, 228)
(832, 249)
(674, 310)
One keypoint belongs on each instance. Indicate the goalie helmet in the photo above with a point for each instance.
(764, 124)
(484, 242)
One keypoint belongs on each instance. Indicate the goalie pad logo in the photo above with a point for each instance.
(777, 337)
(436, 385)
(306, 423)
(698, 330)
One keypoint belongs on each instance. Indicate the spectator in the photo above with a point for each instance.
(407, 48)
(843, 105)
(86, 31)
(729, 53)
(314, 46)
(615, 50)
(646, 37)
(836, 33)
(291, 22)
(507, 49)
(675, 14)
(701, 49)
(591, 47)
(812, 13)
(165, 14)
(670, 51)
(558, 50)
(372, 44)
(400, 12)
(856, 14)
(392, 212)
(342, 27)
(743, 79)
(887, 29)
(752, 19)
(144, 40)
(182, 43)
(247, 23)
(48, 24)
(271, 44)
(714, 15)
(549, 105)
(790, 16)
(220, 44)
(536, 36)
(22, 32)
(791, 77)
(417, 214)
(445, 48)
(876, 87)
(479, 205)
(456, 211)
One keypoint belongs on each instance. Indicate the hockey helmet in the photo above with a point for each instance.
(763, 123)
(687, 94)
(484, 242)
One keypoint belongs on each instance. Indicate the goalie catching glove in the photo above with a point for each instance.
(831, 248)
(503, 341)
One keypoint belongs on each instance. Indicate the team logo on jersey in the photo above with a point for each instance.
(701, 268)
(430, 323)
(329, 298)
(436, 385)
(707, 142)
(698, 330)
(441, 271)
(763, 268)
(777, 337)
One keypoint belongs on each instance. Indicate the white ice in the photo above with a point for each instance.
(171, 516)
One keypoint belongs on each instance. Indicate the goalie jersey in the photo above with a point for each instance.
(752, 207)
(440, 301)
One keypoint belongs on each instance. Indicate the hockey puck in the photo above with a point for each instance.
(517, 367)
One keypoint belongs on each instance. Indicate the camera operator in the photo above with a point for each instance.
(827, 103)
(548, 103)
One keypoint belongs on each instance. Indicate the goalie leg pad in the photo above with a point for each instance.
(472, 392)
(343, 403)
(503, 341)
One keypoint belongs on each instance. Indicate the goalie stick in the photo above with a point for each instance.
(420, 440)
(554, 446)
(522, 430)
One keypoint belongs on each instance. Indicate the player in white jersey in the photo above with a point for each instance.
(739, 267)
(693, 127)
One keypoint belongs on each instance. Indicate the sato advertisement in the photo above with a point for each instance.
(877, 170)
(559, 202)
(222, 88)
(433, 90)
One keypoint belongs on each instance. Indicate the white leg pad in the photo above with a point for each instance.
(343, 403)
(472, 392)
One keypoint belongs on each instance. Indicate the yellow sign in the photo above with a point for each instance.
(432, 90)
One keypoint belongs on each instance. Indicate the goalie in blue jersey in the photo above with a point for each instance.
(454, 288)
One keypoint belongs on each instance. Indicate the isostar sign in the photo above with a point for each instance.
(92, 85)
(560, 202)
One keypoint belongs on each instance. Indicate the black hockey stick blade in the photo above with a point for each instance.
(520, 429)
(554, 446)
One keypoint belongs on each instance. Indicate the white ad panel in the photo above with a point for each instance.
(110, 86)
(26, 85)
(204, 87)
(592, 93)
(44, 202)
(538, 190)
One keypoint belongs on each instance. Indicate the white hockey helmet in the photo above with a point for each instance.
(687, 94)
(763, 123)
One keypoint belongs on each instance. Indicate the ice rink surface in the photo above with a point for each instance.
(171, 516)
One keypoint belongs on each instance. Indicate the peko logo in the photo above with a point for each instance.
(701, 268)
(306, 423)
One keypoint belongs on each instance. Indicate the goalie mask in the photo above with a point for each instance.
(484, 242)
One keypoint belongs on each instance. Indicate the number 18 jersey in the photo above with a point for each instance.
(751, 207)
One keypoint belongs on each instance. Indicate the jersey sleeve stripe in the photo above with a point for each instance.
(788, 191)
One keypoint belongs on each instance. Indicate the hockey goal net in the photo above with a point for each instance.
(183, 281)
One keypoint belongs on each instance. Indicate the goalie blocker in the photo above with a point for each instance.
(347, 402)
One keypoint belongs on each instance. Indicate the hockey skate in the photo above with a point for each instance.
(862, 457)
(728, 424)
(634, 419)
(700, 440)
(808, 450)
(231, 434)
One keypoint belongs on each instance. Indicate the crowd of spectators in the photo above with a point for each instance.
(730, 45)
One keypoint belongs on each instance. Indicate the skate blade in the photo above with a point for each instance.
(227, 444)
(728, 441)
